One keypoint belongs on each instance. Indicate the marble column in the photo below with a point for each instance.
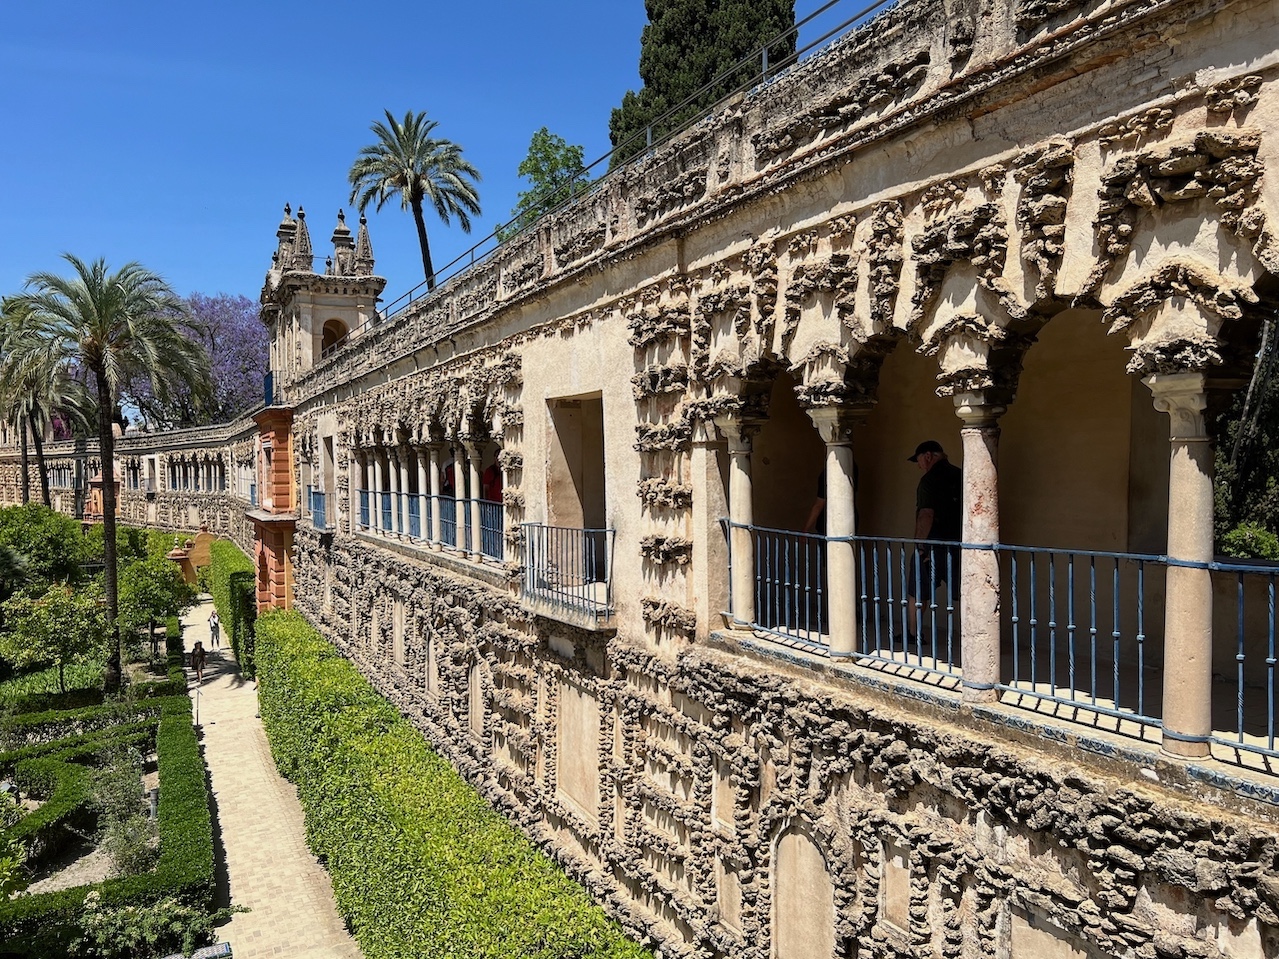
(393, 474)
(406, 470)
(1187, 703)
(835, 424)
(741, 512)
(434, 468)
(473, 453)
(980, 592)
(423, 528)
(375, 516)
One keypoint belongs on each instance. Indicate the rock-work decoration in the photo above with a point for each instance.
(887, 236)
(835, 274)
(657, 380)
(668, 616)
(1045, 175)
(977, 236)
(657, 491)
(1031, 14)
(1220, 165)
(652, 437)
(675, 181)
(1233, 97)
(1142, 126)
(579, 238)
(653, 324)
(760, 262)
(885, 85)
(666, 550)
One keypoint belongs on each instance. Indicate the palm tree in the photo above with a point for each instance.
(32, 391)
(116, 327)
(406, 161)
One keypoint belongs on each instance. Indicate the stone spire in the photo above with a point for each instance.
(286, 236)
(363, 265)
(302, 245)
(343, 247)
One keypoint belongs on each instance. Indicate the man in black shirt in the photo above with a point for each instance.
(938, 516)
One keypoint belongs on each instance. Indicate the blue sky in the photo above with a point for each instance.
(173, 133)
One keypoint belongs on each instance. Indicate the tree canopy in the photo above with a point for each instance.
(555, 171)
(408, 162)
(686, 45)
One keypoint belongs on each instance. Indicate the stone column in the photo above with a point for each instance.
(406, 457)
(375, 513)
(366, 469)
(473, 452)
(423, 530)
(710, 547)
(980, 590)
(436, 541)
(393, 474)
(741, 512)
(1187, 707)
(835, 424)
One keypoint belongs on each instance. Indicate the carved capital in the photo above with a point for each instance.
(739, 432)
(1184, 397)
(835, 422)
(978, 409)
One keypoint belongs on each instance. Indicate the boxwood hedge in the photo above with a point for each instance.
(43, 924)
(231, 581)
(421, 865)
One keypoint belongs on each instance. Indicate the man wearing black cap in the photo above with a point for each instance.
(938, 516)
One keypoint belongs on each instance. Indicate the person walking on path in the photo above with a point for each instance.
(214, 623)
(197, 661)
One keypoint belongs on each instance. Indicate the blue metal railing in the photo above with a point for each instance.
(491, 523)
(1254, 654)
(448, 520)
(1079, 628)
(317, 505)
(364, 509)
(253, 494)
(790, 585)
(414, 503)
(386, 526)
(569, 568)
(907, 602)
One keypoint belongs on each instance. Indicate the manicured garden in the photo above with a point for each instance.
(106, 842)
(421, 864)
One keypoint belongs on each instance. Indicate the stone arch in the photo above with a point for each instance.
(333, 333)
(803, 893)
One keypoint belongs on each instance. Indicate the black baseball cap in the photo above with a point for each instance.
(928, 446)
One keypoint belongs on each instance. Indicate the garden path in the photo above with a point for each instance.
(269, 868)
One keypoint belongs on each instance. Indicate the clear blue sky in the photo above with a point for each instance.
(173, 133)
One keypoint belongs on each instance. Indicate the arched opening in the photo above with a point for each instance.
(333, 333)
(803, 898)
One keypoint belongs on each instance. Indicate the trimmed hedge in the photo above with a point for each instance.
(43, 924)
(421, 865)
(232, 584)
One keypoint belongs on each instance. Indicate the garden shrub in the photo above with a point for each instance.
(421, 865)
(46, 924)
(234, 591)
(1250, 541)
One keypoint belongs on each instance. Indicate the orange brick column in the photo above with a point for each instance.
(274, 520)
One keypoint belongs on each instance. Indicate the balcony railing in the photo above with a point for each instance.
(317, 502)
(569, 568)
(1082, 631)
(364, 509)
(491, 520)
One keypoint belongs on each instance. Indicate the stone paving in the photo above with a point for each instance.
(267, 865)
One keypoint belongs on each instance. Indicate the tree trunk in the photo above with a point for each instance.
(62, 682)
(25, 459)
(106, 448)
(38, 442)
(424, 243)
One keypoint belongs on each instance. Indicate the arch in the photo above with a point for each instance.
(333, 333)
(803, 897)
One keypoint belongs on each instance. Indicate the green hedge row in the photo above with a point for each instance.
(421, 865)
(42, 924)
(232, 583)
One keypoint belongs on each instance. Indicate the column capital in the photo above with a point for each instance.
(835, 421)
(978, 409)
(1184, 397)
(738, 430)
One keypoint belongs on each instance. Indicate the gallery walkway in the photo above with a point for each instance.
(267, 865)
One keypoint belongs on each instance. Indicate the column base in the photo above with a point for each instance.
(1179, 746)
(979, 694)
(735, 625)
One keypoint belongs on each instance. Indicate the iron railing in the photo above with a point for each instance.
(790, 585)
(253, 495)
(448, 520)
(569, 568)
(317, 506)
(1254, 655)
(491, 524)
(1079, 628)
(364, 509)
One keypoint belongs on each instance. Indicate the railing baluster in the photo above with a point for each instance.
(1270, 661)
(1092, 626)
(1114, 629)
(1239, 660)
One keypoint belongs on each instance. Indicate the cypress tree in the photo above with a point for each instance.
(687, 44)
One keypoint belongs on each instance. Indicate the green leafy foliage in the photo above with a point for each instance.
(151, 590)
(57, 627)
(686, 45)
(47, 924)
(1251, 541)
(555, 170)
(234, 591)
(153, 929)
(30, 691)
(421, 865)
(53, 544)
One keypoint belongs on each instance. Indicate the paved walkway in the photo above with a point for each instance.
(262, 853)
